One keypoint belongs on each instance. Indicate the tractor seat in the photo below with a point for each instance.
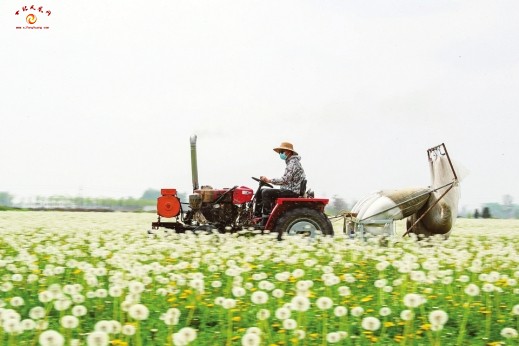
(302, 191)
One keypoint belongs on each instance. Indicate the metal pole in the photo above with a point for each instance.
(194, 164)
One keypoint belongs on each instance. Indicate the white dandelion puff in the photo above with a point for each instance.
(357, 311)
(413, 300)
(251, 339)
(238, 291)
(324, 303)
(509, 333)
(406, 315)
(385, 311)
(263, 314)
(438, 317)
(138, 312)
(128, 329)
(333, 337)
(69, 322)
(51, 338)
(472, 290)
(370, 323)
(340, 311)
(229, 303)
(282, 313)
(300, 334)
(97, 338)
(259, 297)
(289, 324)
(188, 333)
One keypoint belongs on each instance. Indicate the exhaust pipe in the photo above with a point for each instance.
(194, 164)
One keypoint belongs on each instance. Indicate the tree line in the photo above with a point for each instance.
(505, 210)
(147, 200)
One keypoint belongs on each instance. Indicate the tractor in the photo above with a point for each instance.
(234, 209)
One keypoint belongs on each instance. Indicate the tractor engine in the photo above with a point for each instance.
(220, 207)
(208, 207)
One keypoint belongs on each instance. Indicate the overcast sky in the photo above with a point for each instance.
(104, 101)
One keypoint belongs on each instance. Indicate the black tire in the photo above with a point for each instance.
(295, 220)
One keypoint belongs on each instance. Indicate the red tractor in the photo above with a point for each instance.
(233, 209)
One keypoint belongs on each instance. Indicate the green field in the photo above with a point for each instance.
(98, 279)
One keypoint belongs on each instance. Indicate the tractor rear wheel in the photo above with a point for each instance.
(305, 221)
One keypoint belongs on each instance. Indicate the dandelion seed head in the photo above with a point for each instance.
(472, 290)
(98, 338)
(289, 324)
(282, 313)
(324, 303)
(340, 311)
(263, 314)
(509, 333)
(357, 311)
(438, 317)
(406, 315)
(69, 322)
(259, 297)
(385, 311)
(370, 323)
(51, 338)
(128, 329)
(333, 337)
(251, 339)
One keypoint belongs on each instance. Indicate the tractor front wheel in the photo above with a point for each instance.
(304, 221)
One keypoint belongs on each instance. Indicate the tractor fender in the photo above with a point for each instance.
(284, 204)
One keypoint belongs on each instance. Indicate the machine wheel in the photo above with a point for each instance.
(303, 221)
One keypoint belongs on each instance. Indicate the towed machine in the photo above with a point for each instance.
(234, 209)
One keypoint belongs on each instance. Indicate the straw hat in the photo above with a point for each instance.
(285, 146)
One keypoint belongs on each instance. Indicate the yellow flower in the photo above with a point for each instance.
(367, 299)
(426, 326)
(236, 318)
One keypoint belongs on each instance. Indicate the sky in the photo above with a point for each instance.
(104, 101)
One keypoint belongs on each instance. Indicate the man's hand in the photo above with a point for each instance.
(264, 179)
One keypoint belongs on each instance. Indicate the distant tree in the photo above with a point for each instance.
(6, 199)
(486, 213)
(476, 214)
(337, 205)
(151, 194)
(508, 206)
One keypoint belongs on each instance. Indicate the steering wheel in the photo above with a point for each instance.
(262, 183)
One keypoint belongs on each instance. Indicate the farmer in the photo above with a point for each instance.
(290, 182)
